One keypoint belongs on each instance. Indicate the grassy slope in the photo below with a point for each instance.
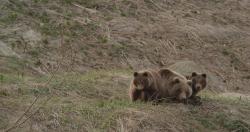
(101, 33)
(98, 101)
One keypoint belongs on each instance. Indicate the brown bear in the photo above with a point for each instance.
(145, 85)
(174, 85)
(155, 85)
(199, 82)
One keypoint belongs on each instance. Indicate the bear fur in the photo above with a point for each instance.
(154, 85)
(199, 82)
(174, 85)
(144, 86)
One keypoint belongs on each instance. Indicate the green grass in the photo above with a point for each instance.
(40, 1)
(93, 100)
(237, 125)
(232, 124)
(218, 120)
(75, 113)
(3, 121)
(220, 117)
(11, 78)
(99, 111)
(102, 39)
(221, 120)
(13, 64)
(97, 100)
(225, 52)
(207, 123)
(230, 100)
(10, 18)
(87, 84)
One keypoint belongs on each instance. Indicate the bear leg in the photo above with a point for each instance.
(144, 96)
(134, 95)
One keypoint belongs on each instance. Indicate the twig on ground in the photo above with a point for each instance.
(91, 11)
(27, 110)
(126, 59)
(18, 125)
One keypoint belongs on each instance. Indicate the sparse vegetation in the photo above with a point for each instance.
(94, 101)
(79, 59)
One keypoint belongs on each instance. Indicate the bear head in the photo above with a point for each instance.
(142, 80)
(178, 84)
(199, 81)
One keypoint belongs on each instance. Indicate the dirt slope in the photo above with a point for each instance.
(87, 50)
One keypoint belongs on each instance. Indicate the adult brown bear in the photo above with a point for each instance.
(174, 85)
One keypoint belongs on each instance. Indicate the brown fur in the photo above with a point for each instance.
(174, 85)
(144, 85)
(199, 82)
(164, 83)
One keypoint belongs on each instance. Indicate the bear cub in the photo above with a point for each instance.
(199, 82)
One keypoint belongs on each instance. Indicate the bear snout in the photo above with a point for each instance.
(198, 87)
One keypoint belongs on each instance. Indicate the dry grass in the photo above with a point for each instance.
(95, 44)
(97, 101)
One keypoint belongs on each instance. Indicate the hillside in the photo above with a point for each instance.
(66, 65)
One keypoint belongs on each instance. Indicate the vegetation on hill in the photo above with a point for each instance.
(66, 65)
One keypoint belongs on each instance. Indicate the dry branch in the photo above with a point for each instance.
(91, 11)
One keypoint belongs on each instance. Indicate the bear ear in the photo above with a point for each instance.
(204, 75)
(164, 72)
(194, 74)
(188, 77)
(145, 74)
(135, 74)
(176, 80)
